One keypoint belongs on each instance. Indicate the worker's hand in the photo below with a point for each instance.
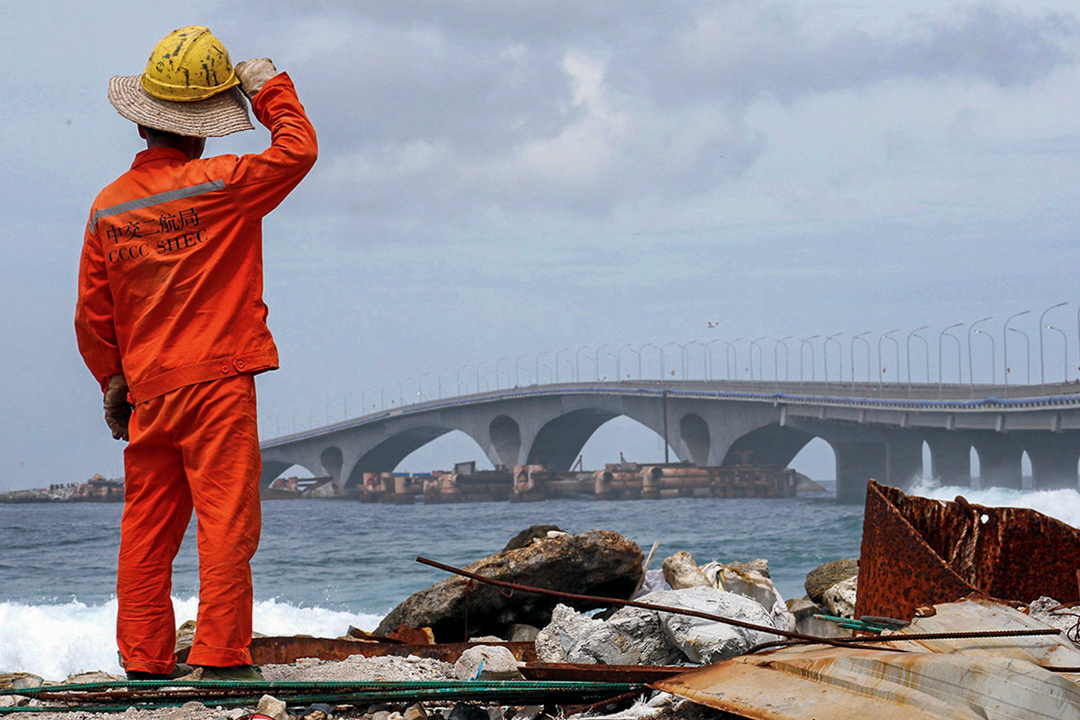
(253, 74)
(117, 407)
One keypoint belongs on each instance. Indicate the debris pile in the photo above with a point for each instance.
(568, 625)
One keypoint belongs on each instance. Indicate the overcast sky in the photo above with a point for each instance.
(501, 178)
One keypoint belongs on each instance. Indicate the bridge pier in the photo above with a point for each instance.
(950, 458)
(999, 463)
(856, 463)
(1053, 464)
(903, 459)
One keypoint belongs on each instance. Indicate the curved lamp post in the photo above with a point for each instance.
(557, 353)
(618, 360)
(839, 358)
(538, 356)
(896, 346)
(577, 362)
(1005, 343)
(686, 358)
(1064, 349)
(420, 387)
(498, 374)
(709, 358)
(776, 359)
(1042, 365)
(940, 340)
(486, 383)
(993, 356)
(641, 351)
(459, 382)
(638, 353)
(663, 369)
(853, 339)
(971, 364)
(803, 342)
(907, 348)
(596, 361)
(1027, 345)
(517, 369)
(729, 349)
(363, 401)
(382, 394)
(401, 391)
(751, 345)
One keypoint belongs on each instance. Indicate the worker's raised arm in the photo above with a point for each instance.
(260, 182)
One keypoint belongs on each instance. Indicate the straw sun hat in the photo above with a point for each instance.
(189, 88)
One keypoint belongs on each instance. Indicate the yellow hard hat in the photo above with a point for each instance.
(187, 65)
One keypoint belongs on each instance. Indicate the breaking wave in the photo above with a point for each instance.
(1061, 504)
(55, 641)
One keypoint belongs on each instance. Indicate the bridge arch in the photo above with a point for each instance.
(559, 442)
(695, 435)
(505, 435)
(389, 453)
(770, 445)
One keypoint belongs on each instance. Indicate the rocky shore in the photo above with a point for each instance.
(561, 630)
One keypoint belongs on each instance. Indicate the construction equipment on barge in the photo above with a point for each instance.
(617, 481)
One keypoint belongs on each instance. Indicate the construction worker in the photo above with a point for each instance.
(171, 322)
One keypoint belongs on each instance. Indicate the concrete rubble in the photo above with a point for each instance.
(511, 634)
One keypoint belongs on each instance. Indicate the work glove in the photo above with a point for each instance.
(253, 74)
(117, 407)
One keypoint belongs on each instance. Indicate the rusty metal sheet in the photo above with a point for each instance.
(578, 672)
(289, 649)
(920, 552)
(845, 684)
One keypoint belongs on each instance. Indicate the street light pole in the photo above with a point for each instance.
(663, 369)
(618, 360)
(1042, 365)
(971, 364)
(993, 355)
(729, 348)
(752, 344)
(498, 374)
(896, 347)
(803, 342)
(517, 369)
(776, 359)
(382, 393)
(853, 339)
(557, 353)
(839, 358)
(709, 358)
(641, 351)
(596, 361)
(1005, 341)
(420, 387)
(941, 339)
(538, 356)
(907, 347)
(486, 383)
(459, 379)
(1064, 349)
(577, 362)
(1027, 346)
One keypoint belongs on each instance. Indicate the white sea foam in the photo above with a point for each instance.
(55, 641)
(1061, 504)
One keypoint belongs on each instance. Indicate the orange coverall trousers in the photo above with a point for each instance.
(196, 447)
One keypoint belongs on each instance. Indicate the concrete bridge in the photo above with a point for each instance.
(875, 431)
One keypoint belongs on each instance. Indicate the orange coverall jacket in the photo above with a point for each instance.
(170, 281)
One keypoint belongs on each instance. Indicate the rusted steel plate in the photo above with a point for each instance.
(289, 649)
(917, 551)
(599, 673)
(845, 684)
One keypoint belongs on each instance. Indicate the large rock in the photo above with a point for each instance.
(599, 562)
(632, 636)
(638, 636)
(748, 580)
(828, 574)
(708, 641)
(680, 571)
(839, 600)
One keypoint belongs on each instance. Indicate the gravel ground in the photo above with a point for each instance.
(360, 669)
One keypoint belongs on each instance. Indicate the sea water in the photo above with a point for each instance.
(325, 565)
